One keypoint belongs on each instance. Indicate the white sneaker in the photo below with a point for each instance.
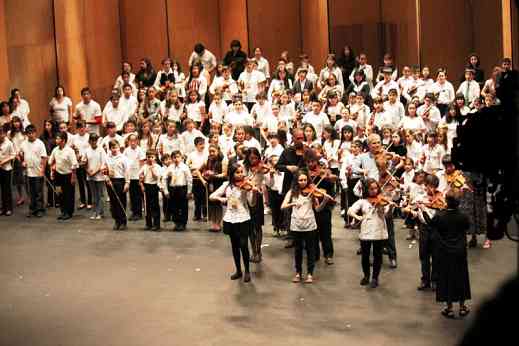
(99, 217)
(267, 211)
(343, 212)
(93, 217)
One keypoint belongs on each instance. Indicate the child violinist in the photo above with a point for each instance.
(179, 184)
(373, 228)
(300, 199)
(118, 183)
(237, 217)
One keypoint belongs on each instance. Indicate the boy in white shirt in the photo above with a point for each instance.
(34, 159)
(217, 110)
(7, 155)
(239, 115)
(318, 119)
(382, 88)
(195, 161)
(111, 134)
(115, 114)
(394, 107)
(118, 182)
(429, 113)
(95, 158)
(80, 143)
(179, 186)
(136, 157)
(251, 82)
(149, 177)
(469, 88)
(63, 163)
(169, 141)
(89, 111)
(226, 140)
(188, 136)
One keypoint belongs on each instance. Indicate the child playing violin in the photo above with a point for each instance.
(300, 198)
(373, 229)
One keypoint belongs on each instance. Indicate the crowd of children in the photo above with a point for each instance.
(233, 135)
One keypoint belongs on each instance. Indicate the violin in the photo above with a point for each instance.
(245, 184)
(437, 201)
(380, 201)
(261, 168)
(314, 191)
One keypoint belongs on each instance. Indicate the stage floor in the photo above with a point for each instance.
(80, 283)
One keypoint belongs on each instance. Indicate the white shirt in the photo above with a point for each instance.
(119, 82)
(119, 166)
(302, 218)
(226, 144)
(197, 159)
(218, 112)
(415, 123)
(88, 112)
(325, 73)
(227, 87)
(96, 160)
(273, 151)
(64, 159)
(241, 118)
(188, 140)
(179, 176)
(22, 111)
(260, 112)
(331, 149)
(396, 110)
(207, 58)
(199, 84)
(451, 131)
(251, 81)
(33, 155)
(80, 143)
(433, 158)
(373, 226)
(194, 110)
(135, 158)
(363, 114)
(147, 172)
(270, 123)
(168, 144)
(318, 121)
(60, 110)
(128, 105)
(414, 152)
(238, 201)
(116, 115)
(434, 117)
(444, 91)
(470, 90)
(7, 152)
(263, 66)
(171, 113)
(252, 143)
(368, 72)
(105, 142)
(384, 87)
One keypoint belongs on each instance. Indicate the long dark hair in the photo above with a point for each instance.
(2, 105)
(365, 186)
(296, 190)
(45, 135)
(148, 71)
(232, 172)
(251, 151)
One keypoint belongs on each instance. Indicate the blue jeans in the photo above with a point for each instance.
(97, 196)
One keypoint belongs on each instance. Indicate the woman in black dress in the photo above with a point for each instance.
(453, 273)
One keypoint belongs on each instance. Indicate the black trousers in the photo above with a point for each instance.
(166, 209)
(85, 195)
(350, 196)
(35, 186)
(67, 193)
(7, 193)
(239, 234)
(275, 201)
(304, 240)
(390, 242)
(199, 197)
(117, 200)
(365, 247)
(135, 198)
(426, 253)
(152, 205)
(178, 204)
(323, 219)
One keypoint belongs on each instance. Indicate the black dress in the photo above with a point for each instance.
(451, 256)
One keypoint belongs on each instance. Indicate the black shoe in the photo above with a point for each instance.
(147, 228)
(359, 252)
(374, 283)
(116, 227)
(60, 217)
(473, 242)
(38, 214)
(364, 281)
(123, 227)
(393, 264)
(424, 286)
(29, 214)
(66, 217)
(156, 228)
(246, 277)
(289, 244)
(236, 276)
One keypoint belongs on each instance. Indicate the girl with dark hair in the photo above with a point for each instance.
(5, 114)
(17, 136)
(330, 68)
(303, 225)
(452, 266)
(473, 63)
(48, 137)
(254, 172)
(146, 75)
(373, 229)
(347, 61)
(237, 217)
(196, 80)
(214, 172)
(60, 107)
(7, 155)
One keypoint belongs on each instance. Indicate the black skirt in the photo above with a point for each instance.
(453, 277)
